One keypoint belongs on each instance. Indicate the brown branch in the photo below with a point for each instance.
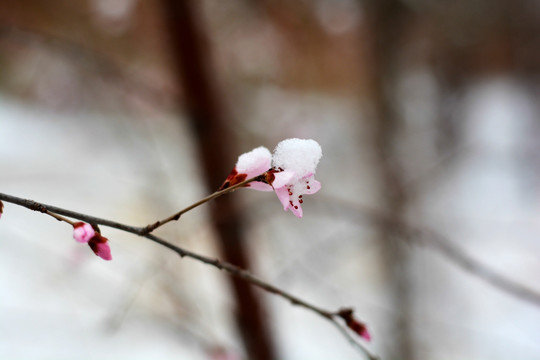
(59, 218)
(332, 316)
(430, 238)
(151, 227)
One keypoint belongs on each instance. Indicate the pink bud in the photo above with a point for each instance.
(99, 246)
(353, 324)
(365, 334)
(83, 232)
(251, 164)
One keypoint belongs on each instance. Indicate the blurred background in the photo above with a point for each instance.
(427, 223)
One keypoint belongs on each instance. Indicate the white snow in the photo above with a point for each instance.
(254, 159)
(298, 155)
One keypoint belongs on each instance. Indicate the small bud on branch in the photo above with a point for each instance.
(353, 324)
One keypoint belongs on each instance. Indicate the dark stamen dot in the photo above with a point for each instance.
(301, 201)
(296, 207)
(308, 187)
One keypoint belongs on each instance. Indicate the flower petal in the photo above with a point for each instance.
(296, 209)
(101, 249)
(312, 187)
(83, 232)
(260, 186)
(283, 196)
(282, 178)
(365, 334)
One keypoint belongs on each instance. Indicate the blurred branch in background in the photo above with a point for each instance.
(387, 25)
(207, 115)
(110, 69)
(424, 236)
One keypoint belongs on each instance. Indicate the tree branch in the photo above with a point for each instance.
(332, 316)
(430, 238)
(151, 227)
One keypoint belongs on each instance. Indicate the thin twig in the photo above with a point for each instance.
(221, 265)
(151, 227)
(59, 218)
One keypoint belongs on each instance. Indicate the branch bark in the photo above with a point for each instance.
(235, 271)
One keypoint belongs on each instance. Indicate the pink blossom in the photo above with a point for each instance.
(83, 232)
(357, 326)
(291, 194)
(365, 334)
(99, 246)
(295, 161)
(249, 165)
(289, 172)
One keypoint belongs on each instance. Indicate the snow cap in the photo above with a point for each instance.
(298, 155)
(255, 162)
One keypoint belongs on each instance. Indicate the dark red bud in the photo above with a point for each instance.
(353, 324)
(97, 239)
(233, 179)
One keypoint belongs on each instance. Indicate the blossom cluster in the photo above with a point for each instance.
(289, 171)
(85, 233)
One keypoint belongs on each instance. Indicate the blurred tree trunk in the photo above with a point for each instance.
(386, 22)
(207, 115)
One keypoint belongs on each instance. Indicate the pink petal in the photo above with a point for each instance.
(314, 186)
(102, 250)
(283, 196)
(296, 209)
(366, 335)
(83, 232)
(282, 178)
(260, 186)
(258, 169)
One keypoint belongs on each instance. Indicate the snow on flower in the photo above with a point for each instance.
(289, 172)
(85, 233)
(295, 161)
(251, 164)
